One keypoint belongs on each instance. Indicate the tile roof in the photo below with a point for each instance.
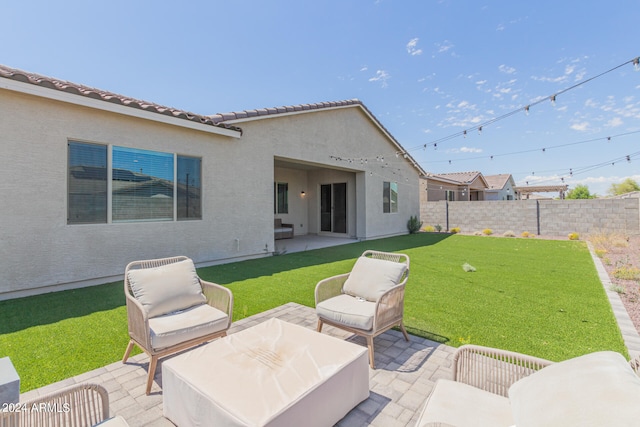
(461, 177)
(89, 92)
(497, 182)
(249, 114)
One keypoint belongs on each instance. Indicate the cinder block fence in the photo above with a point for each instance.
(542, 217)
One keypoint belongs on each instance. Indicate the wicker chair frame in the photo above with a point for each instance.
(80, 405)
(389, 310)
(217, 296)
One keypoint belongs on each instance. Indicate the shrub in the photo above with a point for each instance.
(438, 228)
(414, 224)
(487, 232)
(526, 234)
(627, 273)
(600, 252)
(429, 228)
(574, 236)
(477, 233)
(455, 230)
(509, 233)
(617, 288)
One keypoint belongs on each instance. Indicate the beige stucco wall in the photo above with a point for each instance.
(39, 252)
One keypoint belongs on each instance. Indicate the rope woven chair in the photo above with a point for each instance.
(81, 405)
(166, 329)
(367, 301)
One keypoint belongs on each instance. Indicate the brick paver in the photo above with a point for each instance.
(404, 375)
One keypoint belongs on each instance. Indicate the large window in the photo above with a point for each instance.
(281, 197)
(142, 185)
(389, 197)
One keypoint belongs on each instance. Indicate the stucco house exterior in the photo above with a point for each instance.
(453, 187)
(500, 187)
(92, 180)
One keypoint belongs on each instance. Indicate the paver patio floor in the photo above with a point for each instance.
(404, 376)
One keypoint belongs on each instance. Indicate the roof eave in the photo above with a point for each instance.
(99, 104)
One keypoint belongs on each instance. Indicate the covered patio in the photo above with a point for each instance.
(309, 242)
(404, 376)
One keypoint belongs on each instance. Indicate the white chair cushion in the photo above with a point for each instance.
(348, 310)
(370, 277)
(599, 389)
(165, 289)
(194, 322)
(459, 404)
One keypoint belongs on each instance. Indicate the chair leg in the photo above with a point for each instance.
(404, 331)
(319, 329)
(370, 345)
(127, 352)
(152, 370)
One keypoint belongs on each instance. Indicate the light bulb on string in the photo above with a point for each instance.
(608, 139)
(526, 110)
(629, 159)
(480, 130)
(636, 64)
(553, 100)
(464, 133)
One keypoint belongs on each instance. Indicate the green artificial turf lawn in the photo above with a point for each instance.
(533, 296)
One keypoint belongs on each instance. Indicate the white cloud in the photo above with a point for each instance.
(412, 48)
(506, 69)
(364, 68)
(614, 122)
(581, 127)
(470, 150)
(444, 46)
(382, 77)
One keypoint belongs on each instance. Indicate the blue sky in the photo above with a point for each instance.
(428, 70)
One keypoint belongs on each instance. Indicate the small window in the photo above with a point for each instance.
(87, 184)
(389, 197)
(281, 197)
(450, 195)
(189, 188)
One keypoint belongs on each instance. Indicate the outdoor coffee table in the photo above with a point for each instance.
(272, 374)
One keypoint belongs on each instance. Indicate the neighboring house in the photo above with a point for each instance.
(454, 187)
(500, 187)
(92, 180)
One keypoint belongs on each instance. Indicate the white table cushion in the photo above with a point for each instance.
(274, 374)
(598, 389)
(370, 277)
(168, 288)
(460, 405)
(194, 322)
(349, 311)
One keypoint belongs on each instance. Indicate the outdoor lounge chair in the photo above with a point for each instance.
(171, 309)
(81, 405)
(493, 387)
(367, 301)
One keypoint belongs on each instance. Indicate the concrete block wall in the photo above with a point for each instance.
(544, 217)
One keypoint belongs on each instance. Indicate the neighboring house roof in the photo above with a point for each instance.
(497, 182)
(461, 178)
(102, 95)
(267, 113)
